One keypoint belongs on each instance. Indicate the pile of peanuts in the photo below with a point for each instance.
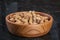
(30, 17)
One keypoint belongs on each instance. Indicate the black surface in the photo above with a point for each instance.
(49, 6)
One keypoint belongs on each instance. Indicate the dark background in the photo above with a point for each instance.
(48, 6)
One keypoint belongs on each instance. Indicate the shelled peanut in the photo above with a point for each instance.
(30, 17)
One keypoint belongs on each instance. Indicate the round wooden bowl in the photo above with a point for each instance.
(27, 30)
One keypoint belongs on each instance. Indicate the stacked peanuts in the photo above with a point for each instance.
(30, 17)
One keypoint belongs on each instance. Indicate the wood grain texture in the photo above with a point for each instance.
(32, 30)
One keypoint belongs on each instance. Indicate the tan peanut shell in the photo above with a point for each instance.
(33, 30)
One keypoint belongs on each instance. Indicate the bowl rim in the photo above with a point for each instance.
(6, 18)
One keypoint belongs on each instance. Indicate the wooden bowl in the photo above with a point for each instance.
(27, 30)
